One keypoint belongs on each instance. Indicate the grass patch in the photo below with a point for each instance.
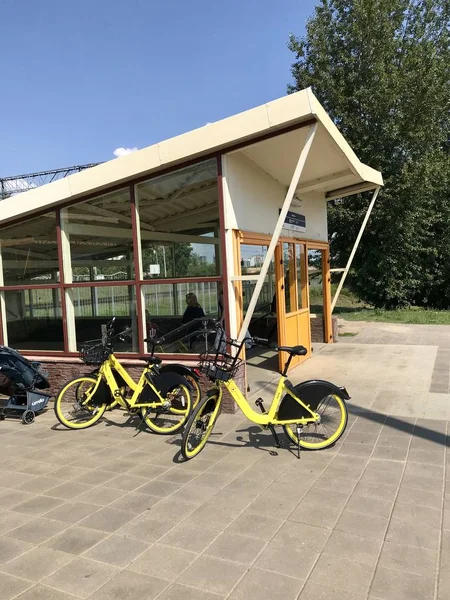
(347, 334)
(417, 316)
(351, 308)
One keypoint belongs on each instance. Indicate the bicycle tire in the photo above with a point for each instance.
(311, 437)
(84, 408)
(163, 420)
(197, 430)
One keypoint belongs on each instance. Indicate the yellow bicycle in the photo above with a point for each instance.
(163, 397)
(313, 413)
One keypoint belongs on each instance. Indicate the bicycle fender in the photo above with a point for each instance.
(180, 370)
(163, 382)
(310, 392)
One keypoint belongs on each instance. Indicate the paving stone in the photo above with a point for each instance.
(108, 519)
(130, 586)
(146, 529)
(236, 548)
(315, 514)
(159, 488)
(42, 592)
(255, 525)
(208, 516)
(415, 514)
(81, 575)
(189, 537)
(178, 592)
(72, 512)
(135, 502)
(213, 574)
(376, 507)
(337, 570)
(101, 495)
(164, 562)
(39, 484)
(353, 547)
(37, 563)
(75, 540)
(286, 560)
(117, 550)
(331, 483)
(408, 558)
(127, 483)
(300, 535)
(390, 453)
(38, 505)
(364, 525)
(401, 532)
(168, 507)
(68, 490)
(261, 585)
(10, 520)
(12, 586)
(314, 591)
(422, 497)
(400, 585)
(10, 549)
(96, 477)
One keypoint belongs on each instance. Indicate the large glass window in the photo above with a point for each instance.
(181, 313)
(95, 306)
(179, 223)
(100, 238)
(30, 252)
(33, 319)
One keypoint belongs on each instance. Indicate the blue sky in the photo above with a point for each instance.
(83, 78)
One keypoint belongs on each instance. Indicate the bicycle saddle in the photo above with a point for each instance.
(151, 360)
(294, 350)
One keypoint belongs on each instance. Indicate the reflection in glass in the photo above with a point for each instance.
(99, 233)
(182, 205)
(33, 319)
(181, 313)
(95, 306)
(30, 252)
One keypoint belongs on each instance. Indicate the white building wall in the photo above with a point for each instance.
(253, 198)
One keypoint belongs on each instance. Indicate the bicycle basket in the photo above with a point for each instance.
(219, 367)
(94, 355)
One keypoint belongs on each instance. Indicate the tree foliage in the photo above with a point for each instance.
(381, 68)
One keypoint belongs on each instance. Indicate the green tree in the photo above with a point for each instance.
(381, 70)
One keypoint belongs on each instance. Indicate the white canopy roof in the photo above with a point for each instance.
(332, 167)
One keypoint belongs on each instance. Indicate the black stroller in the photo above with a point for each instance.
(22, 381)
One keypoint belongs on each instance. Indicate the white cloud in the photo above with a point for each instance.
(118, 152)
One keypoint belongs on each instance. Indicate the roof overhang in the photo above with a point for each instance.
(271, 134)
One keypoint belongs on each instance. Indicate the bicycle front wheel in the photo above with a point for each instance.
(196, 392)
(172, 414)
(200, 426)
(73, 404)
(332, 411)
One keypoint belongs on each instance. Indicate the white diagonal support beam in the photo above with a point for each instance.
(278, 227)
(355, 248)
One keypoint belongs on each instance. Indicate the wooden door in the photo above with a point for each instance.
(292, 300)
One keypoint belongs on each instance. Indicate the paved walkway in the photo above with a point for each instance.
(106, 514)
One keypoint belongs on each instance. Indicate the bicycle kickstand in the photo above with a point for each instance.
(278, 442)
(299, 433)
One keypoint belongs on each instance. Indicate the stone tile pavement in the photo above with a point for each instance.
(106, 514)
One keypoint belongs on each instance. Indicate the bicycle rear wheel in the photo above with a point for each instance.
(73, 405)
(327, 431)
(172, 415)
(200, 426)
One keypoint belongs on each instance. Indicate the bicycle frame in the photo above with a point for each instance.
(107, 371)
(265, 419)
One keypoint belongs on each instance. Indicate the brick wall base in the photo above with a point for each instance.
(317, 329)
(61, 370)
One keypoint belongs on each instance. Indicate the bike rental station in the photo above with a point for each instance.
(228, 222)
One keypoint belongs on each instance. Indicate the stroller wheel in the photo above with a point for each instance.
(2, 417)
(28, 417)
